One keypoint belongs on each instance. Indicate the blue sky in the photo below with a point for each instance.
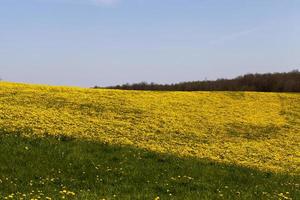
(107, 42)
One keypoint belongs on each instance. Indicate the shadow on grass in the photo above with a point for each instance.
(76, 169)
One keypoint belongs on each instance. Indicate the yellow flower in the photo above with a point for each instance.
(247, 129)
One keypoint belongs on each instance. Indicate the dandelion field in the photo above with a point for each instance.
(75, 143)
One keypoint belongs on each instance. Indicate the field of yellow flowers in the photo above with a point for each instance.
(219, 132)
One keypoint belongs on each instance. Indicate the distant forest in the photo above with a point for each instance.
(269, 82)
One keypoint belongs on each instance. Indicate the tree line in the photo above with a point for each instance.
(268, 82)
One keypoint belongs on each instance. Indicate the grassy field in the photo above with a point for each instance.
(74, 143)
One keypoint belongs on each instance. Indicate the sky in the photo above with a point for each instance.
(108, 42)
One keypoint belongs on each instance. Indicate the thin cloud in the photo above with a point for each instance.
(92, 2)
(233, 36)
(104, 2)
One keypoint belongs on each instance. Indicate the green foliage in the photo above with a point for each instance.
(270, 82)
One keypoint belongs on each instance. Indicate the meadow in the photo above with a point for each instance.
(76, 143)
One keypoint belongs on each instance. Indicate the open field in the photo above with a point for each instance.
(74, 143)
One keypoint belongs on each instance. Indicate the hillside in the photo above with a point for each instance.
(67, 140)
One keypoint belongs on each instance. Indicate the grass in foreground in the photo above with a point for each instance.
(33, 168)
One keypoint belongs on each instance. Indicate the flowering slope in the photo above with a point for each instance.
(254, 130)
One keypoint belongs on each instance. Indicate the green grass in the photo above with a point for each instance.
(40, 167)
